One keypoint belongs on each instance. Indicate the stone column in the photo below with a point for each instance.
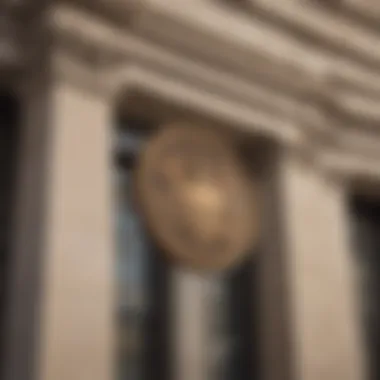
(324, 320)
(190, 325)
(77, 318)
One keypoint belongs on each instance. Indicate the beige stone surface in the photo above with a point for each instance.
(243, 72)
(189, 315)
(78, 296)
(325, 326)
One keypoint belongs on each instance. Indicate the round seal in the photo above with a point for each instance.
(196, 198)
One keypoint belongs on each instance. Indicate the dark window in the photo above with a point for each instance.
(144, 309)
(365, 217)
(142, 315)
(234, 324)
(9, 147)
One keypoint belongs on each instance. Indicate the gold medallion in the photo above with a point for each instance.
(196, 198)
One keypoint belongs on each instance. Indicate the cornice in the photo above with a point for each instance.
(251, 46)
(367, 9)
(78, 31)
(328, 25)
(237, 41)
(85, 29)
(310, 112)
(137, 78)
(237, 44)
(348, 166)
(119, 12)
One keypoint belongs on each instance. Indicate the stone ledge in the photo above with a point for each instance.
(333, 28)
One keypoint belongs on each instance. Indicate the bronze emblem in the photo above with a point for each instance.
(195, 197)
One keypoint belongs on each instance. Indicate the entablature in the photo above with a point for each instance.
(296, 104)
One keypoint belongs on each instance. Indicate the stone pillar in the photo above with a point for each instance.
(190, 325)
(77, 315)
(324, 320)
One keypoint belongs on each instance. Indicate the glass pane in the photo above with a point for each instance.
(233, 327)
(365, 218)
(9, 149)
(131, 276)
(145, 314)
(141, 276)
(132, 263)
(221, 339)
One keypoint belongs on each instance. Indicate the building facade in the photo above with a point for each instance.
(295, 84)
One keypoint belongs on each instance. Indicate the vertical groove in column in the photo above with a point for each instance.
(22, 324)
(275, 313)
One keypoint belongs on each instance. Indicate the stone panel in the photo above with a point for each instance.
(78, 300)
(325, 327)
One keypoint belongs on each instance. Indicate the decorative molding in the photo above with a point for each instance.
(78, 71)
(119, 12)
(87, 30)
(283, 61)
(350, 167)
(178, 24)
(367, 8)
(308, 112)
(132, 78)
(243, 50)
(333, 28)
